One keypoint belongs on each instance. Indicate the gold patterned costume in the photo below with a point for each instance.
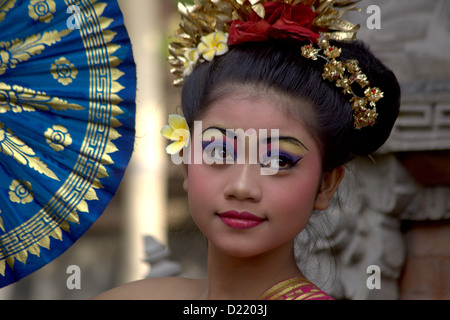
(295, 289)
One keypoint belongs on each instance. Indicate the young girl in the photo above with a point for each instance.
(272, 87)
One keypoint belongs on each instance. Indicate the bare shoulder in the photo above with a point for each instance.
(170, 288)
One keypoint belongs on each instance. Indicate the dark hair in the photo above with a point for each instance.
(278, 65)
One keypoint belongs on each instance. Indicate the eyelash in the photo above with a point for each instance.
(282, 156)
(210, 146)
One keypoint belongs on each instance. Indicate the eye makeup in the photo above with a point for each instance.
(279, 160)
(289, 144)
(285, 157)
(280, 153)
(216, 146)
(283, 152)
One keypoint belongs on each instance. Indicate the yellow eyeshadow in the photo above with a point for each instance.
(292, 147)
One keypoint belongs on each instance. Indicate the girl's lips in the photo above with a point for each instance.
(240, 220)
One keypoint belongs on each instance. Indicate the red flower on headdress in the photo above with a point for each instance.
(281, 21)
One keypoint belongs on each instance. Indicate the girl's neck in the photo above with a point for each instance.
(236, 278)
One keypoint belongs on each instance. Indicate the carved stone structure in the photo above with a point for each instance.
(409, 178)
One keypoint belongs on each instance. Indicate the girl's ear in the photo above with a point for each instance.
(185, 174)
(330, 182)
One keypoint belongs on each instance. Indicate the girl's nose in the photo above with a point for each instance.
(243, 183)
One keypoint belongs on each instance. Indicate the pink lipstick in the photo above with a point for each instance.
(240, 220)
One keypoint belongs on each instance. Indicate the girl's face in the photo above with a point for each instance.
(241, 211)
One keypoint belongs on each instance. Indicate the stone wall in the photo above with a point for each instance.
(426, 274)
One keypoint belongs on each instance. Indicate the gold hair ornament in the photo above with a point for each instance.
(344, 74)
(204, 33)
(207, 22)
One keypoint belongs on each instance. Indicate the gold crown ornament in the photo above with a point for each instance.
(209, 27)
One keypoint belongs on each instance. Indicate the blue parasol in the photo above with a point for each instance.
(67, 112)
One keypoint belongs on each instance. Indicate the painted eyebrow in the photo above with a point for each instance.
(287, 139)
(268, 140)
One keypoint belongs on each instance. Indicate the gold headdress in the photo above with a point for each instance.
(209, 26)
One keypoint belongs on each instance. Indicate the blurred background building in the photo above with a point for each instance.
(398, 219)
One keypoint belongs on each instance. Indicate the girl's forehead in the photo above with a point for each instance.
(254, 109)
